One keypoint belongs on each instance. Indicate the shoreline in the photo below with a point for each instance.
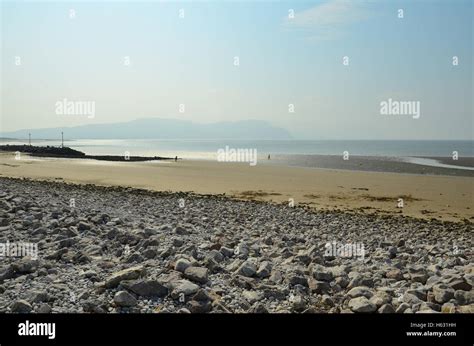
(425, 196)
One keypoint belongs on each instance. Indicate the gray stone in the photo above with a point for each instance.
(181, 265)
(248, 269)
(215, 255)
(180, 230)
(464, 297)
(362, 304)
(26, 265)
(38, 296)
(402, 307)
(44, 309)
(199, 307)
(124, 299)
(197, 274)
(21, 306)
(386, 309)
(126, 274)
(264, 270)
(360, 291)
(253, 296)
(298, 303)
(321, 274)
(83, 226)
(227, 252)
(184, 287)
(146, 288)
(442, 293)
(319, 287)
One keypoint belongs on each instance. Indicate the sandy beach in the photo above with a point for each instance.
(424, 196)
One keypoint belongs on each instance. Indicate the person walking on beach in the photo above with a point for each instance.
(269, 156)
(176, 159)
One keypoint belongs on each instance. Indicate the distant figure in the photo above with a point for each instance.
(269, 156)
(176, 159)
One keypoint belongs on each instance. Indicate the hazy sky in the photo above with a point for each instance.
(282, 60)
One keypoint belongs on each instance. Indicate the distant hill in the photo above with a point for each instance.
(159, 128)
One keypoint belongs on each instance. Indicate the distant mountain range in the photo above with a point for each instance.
(158, 128)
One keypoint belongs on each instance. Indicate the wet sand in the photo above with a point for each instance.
(376, 164)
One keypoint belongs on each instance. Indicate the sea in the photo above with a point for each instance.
(208, 149)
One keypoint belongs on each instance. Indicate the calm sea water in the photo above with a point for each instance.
(207, 149)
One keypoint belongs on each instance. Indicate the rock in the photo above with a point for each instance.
(268, 241)
(342, 281)
(178, 242)
(321, 274)
(395, 274)
(150, 253)
(227, 252)
(202, 296)
(264, 270)
(430, 306)
(215, 255)
(83, 226)
(448, 308)
(338, 271)
(146, 288)
(21, 306)
(418, 274)
(360, 291)
(199, 307)
(26, 265)
(44, 309)
(360, 280)
(442, 293)
(295, 278)
(124, 299)
(38, 296)
(392, 252)
(465, 309)
(180, 230)
(419, 277)
(298, 304)
(319, 287)
(411, 299)
(242, 250)
(247, 269)
(381, 297)
(126, 274)
(419, 293)
(460, 284)
(464, 297)
(258, 308)
(327, 300)
(93, 306)
(276, 277)
(197, 274)
(361, 304)
(402, 307)
(185, 288)
(182, 264)
(386, 309)
(253, 296)
(134, 258)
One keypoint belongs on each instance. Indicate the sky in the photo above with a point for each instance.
(289, 53)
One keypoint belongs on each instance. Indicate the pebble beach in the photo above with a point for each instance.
(125, 250)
